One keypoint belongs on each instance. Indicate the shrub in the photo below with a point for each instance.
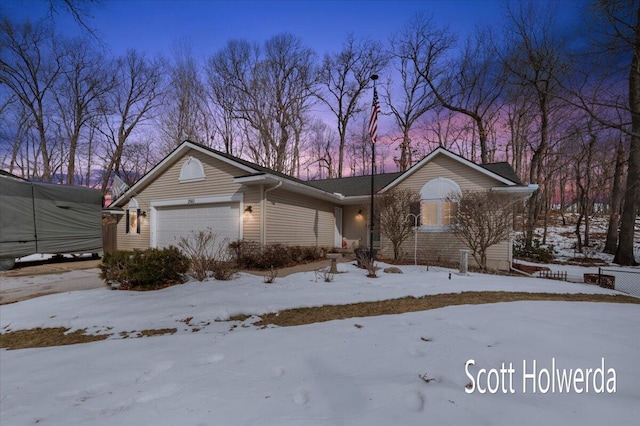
(224, 270)
(208, 257)
(251, 255)
(270, 278)
(275, 256)
(199, 247)
(145, 269)
(536, 252)
(114, 266)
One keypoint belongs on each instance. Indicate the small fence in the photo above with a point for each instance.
(626, 281)
(560, 275)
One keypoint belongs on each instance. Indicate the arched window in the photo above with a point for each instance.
(191, 170)
(133, 217)
(436, 211)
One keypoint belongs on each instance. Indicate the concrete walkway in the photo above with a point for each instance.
(305, 267)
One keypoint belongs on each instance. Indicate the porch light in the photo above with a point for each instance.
(359, 214)
(248, 210)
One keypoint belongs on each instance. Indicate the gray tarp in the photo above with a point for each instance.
(48, 218)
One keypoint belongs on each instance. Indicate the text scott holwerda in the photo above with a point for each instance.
(540, 379)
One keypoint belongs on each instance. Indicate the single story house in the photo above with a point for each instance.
(195, 188)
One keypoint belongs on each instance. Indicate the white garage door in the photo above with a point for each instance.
(180, 221)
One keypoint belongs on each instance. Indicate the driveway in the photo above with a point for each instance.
(38, 280)
(33, 279)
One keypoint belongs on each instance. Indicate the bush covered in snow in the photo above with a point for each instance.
(144, 269)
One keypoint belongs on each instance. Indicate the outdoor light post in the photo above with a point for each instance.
(373, 132)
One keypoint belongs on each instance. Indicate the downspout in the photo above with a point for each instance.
(526, 274)
(264, 211)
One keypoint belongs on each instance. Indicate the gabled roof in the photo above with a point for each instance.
(486, 169)
(250, 168)
(333, 189)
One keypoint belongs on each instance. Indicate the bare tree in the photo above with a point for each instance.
(78, 9)
(359, 148)
(30, 65)
(412, 49)
(139, 87)
(344, 76)
(611, 243)
(535, 63)
(271, 89)
(483, 219)
(393, 208)
(624, 20)
(322, 144)
(472, 85)
(585, 142)
(225, 110)
(185, 112)
(78, 94)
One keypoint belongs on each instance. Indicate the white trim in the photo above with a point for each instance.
(293, 186)
(186, 165)
(260, 178)
(524, 190)
(215, 199)
(451, 155)
(238, 197)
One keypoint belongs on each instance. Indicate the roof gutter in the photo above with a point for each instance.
(523, 191)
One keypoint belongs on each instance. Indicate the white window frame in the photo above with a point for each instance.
(133, 211)
(436, 191)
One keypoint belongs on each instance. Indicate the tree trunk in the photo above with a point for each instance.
(624, 253)
(616, 203)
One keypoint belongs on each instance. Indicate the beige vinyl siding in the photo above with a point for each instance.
(443, 166)
(251, 221)
(218, 180)
(297, 219)
(132, 241)
(355, 227)
(442, 247)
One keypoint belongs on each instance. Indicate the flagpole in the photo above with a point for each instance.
(373, 133)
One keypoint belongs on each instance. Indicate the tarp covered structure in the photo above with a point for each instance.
(48, 218)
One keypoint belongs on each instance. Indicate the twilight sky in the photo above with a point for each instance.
(153, 25)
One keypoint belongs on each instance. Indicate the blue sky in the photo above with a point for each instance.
(153, 25)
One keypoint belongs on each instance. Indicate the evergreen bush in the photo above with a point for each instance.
(144, 269)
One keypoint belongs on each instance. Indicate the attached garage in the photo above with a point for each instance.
(174, 221)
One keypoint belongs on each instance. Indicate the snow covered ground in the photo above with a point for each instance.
(359, 371)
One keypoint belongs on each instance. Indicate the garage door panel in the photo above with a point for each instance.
(181, 221)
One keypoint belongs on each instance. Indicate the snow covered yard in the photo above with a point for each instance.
(353, 371)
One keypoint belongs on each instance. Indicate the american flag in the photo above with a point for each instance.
(373, 122)
(118, 187)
